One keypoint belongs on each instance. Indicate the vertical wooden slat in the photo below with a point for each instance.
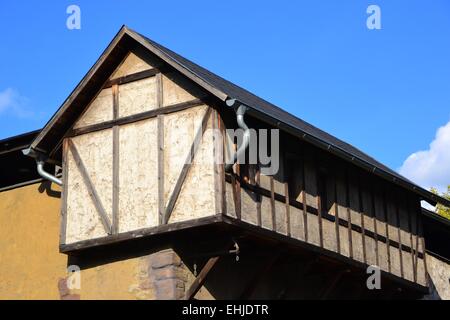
(115, 165)
(397, 217)
(416, 258)
(221, 126)
(64, 192)
(219, 171)
(288, 209)
(319, 205)
(258, 200)
(336, 216)
(349, 214)
(375, 227)
(424, 251)
(305, 213)
(410, 230)
(386, 219)
(160, 147)
(361, 211)
(272, 204)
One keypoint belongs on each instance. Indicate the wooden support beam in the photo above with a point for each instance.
(288, 209)
(258, 198)
(136, 117)
(375, 226)
(303, 192)
(386, 217)
(186, 167)
(132, 77)
(361, 212)
(116, 161)
(223, 136)
(397, 217)
(160, 146)
(272, 204)
(349, 214)
(336, 216)
(90, 187)
(219, 172)
(64, 192)
(411, 241)
(201, 278)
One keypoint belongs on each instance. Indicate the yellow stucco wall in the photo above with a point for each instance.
(30, 262)
(31, 265)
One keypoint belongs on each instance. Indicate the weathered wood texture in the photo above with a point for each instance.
(339, 209)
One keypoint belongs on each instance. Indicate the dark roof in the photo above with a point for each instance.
(224, 89)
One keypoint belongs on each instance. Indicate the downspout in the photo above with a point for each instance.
(240, 113)
(40, 162)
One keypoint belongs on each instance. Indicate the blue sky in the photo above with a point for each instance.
(385, 91)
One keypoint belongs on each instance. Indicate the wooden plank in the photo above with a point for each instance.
(201, 278)
(397, 215)
(91, 189)
(375, 228)
(160, 146)
(272, 204)
(336, 216)
(303, 191)
(221, 126)
(219, 172)
(64, 193)
(422, 239)
(288, 209)
(411, 244)
(313, 211)
(386, 217)
(116, 160)
(361, 211)
(258, 199)
(349, 214)
(135, 235)
(136, 117)
(319, 203)
(132, 77)
(186, 167)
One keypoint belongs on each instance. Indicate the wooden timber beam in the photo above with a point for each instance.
(90, 187)
(201, 278)
(186, 167)
(132, 77)
(136, 117)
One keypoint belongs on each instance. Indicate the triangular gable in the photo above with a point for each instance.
(48, 141)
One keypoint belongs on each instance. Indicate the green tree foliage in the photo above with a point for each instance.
(440, 209)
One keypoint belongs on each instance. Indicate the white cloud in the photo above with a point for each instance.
(14, 103)
(431, 168)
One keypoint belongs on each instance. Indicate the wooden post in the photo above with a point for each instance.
(201, 278)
